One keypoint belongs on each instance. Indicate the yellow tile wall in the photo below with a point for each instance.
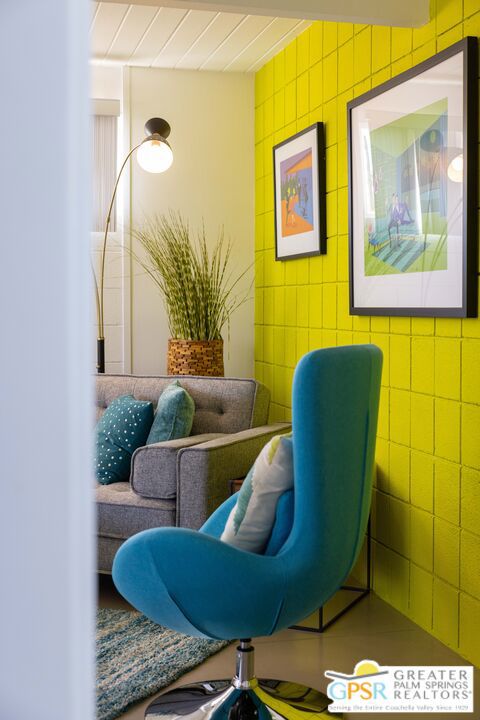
(426, 550)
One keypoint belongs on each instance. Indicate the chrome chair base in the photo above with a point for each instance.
(231, 700)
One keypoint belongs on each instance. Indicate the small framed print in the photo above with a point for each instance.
(299, 182)
(412, 145)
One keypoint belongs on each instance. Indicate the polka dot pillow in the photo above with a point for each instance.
(123, 427)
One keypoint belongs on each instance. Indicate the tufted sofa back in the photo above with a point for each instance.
(222, 405)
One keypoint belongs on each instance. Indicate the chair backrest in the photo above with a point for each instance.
(222, 405)
(335, 409)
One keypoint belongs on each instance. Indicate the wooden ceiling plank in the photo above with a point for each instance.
(131, 32)
(236, 42)
(161, 29)
(194, 23)
(107, 21)
(272, 34)
(218, 31)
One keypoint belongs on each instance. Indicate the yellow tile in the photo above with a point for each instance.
(342, 258)
(400, 416)
(329, 338)
(344, 337)
(400, 527)
(447, 429)
(269, 231)
(424, 34)
(329, 37)
(421, 551)
(382, 460)
(421, 596)
(302, 271)
(341, 114)
(472, 25)
(381, 77)
(329, 305)
(446, 551)
(279, 306)
(401, 42)
(267, 157)
(362, 87)
(423, 326)
(330, 122)
(259, 371)
(268, 193)
(362, 55)
(421, 480)
(447, 491)
(400, 325)
(448, 327)
(259, 197)
(315, 80)
(469, 628)
(470, 500)
(315, 269)
(471, 371)
(315, 339)
(445, 612)
(302, 95)
(345, 66)
(258, 343)
(330, 261)
(342, 225)
(268, 352)
(269, 78)
(383, 429)
(316, 42)
(400, 471)
(382, 341)
(345, 32)
(279, 109)
(405, 63)
(449, 13)
(259, 171)
(279, 71)
(423, 364)
(330, 77)
(259, 306)
(303, 51)
(331, 174)
(422, 422)
(279, 345)
(290, 102)
(278, 395)
(470, 7)
(342, 166)
(381, 325)
(302, 342)
(331, 214)
(399, 582)
(315, 310)
(344, 319)
(302, 306)
(400, 361)
(381, 47)
(470, 563)
(470, 441)
(381, 523)
(290, 346)
(450, 37)
(290, 306)
(268, 115)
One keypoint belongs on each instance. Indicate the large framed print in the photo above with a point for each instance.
(299, 186)
(412, 154)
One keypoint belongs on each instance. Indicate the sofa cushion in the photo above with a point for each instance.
(173, 415)
(154, 467)
(122, 429)
(122, 513)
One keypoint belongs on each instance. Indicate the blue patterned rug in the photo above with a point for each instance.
(136, 658)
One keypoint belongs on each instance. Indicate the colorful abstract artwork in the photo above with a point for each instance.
(412, 148)
(299, 181)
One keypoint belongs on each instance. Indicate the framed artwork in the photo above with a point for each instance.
(299, 182)
(412, 154)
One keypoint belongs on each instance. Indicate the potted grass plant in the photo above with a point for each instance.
(198, 289)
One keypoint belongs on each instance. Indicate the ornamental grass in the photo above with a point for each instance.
(198, 289)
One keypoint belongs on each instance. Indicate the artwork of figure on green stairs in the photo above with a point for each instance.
(405, 167)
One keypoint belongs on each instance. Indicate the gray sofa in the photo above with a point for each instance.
(181, 482)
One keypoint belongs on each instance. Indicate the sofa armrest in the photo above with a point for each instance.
(205, 470)
(153, 472)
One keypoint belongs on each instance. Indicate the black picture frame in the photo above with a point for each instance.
(299, 197)
(453, 254)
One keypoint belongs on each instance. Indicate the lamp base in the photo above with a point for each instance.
(100, 355)
(223, 700)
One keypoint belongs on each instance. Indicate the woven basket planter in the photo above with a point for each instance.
(195, 357)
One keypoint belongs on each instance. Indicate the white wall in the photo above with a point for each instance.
(212, 178)
(46, 510)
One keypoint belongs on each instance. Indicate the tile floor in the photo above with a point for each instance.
(372, 629)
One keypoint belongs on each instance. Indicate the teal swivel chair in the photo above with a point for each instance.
(196, 584)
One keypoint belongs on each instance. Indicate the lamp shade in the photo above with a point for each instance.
(455, 169)
(155, 155)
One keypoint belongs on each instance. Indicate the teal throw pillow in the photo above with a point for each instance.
(123, 427)
(173, 416)
(251, 521)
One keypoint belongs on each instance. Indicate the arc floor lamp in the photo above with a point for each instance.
(154, 155)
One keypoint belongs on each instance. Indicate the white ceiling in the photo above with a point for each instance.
(169, 37)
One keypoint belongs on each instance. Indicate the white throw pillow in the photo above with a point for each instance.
(251, 520)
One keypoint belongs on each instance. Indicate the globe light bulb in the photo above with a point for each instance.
(455, 169)
(155, 156)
